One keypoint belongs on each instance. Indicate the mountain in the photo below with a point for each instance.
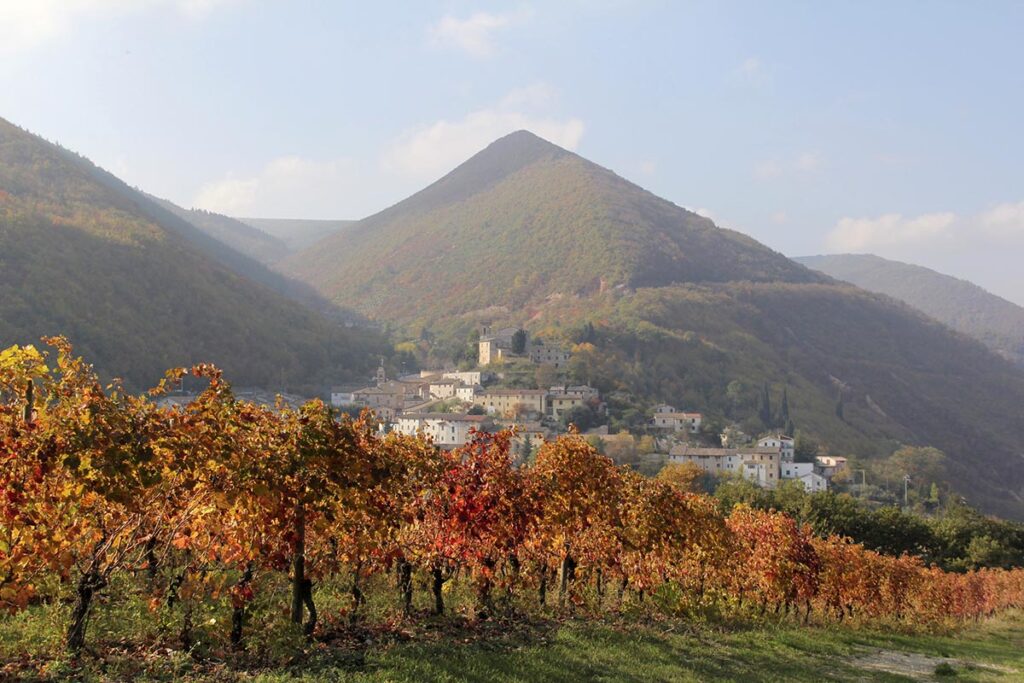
(138, 290)
(297, 233)
(964, 306)
(523, 220)
(243, 238)
(660, 305)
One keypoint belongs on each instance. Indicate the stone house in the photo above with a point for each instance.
(760, 465)
(785, 443)
(679, 421)
(512, 402)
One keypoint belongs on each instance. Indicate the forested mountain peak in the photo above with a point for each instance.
(518, 222)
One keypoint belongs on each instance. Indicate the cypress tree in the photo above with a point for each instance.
(784, 420)
(765, 409)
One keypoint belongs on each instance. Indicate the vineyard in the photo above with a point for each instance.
(237, 518)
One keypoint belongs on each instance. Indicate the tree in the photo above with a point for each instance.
(764, 411)
(546, 375)
(784, 420)
(805, 448)
(584, 417)
(526, 450)
(925, 466)
(687, 476)
(738, 397)
(519, 342)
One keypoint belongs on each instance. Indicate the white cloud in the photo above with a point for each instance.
(475, 34)
(808, 162)
(197, 9)
(752, 72)
(981, 247)
(994, 228)
(26, 24)
(535, 96)
(890, 230)
(429, 150)
(1004, 221)
(289, 186)
(751, 67)
(767, 170)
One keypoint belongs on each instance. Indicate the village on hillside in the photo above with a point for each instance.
(447, 406)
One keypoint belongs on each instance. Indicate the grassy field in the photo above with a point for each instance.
(569, 650)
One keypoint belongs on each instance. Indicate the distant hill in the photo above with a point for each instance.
(240, 236)
(659, 304)
(298, 233)
(139, 290)
(964, 306)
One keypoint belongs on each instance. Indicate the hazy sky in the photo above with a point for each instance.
(885, 127)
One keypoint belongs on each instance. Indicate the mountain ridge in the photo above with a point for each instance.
(138, 289)
(297, 233)
(240, 236)
(960, 304)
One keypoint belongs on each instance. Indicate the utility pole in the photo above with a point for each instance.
(906, 481)
(863, 481)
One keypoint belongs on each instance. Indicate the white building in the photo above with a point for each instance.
(467, 393)
(469, 377)
(760, 465)
(806, 473)
(447, 430)
(830, 465)
(815, 482)
(343, 396)
(444, 388)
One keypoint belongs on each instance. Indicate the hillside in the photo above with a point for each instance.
(297, 233)
(241, 237)
(139, 290)
(662, 305)
(904, 378)
(964, 306)
(518, 222)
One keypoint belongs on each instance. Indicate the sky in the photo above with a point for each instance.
(843, 127)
